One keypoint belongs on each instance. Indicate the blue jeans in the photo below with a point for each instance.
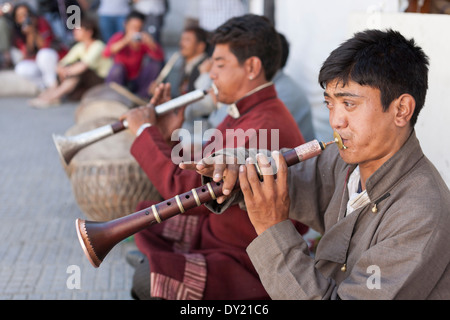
(110, 25)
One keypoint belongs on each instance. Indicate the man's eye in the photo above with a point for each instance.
(327, 104)
(349, 104)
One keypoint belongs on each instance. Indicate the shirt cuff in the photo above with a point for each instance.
(142, 128)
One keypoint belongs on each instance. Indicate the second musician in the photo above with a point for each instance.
(199, 255)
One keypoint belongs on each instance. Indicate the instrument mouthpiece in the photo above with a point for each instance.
(338, 140)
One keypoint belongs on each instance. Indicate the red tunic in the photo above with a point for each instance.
(132, 58)
(45, 31)
(200, 255)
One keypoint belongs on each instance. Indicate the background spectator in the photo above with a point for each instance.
(440, 6)
(5, 35)
(137, 57)
(55, 12)
(81, 69)
(293, 95)
(193, 47)
(38, 51)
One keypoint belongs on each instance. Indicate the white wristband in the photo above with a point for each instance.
(142, 128)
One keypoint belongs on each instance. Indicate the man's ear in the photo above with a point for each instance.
(201, 47)
(404, 109)
(254, 67)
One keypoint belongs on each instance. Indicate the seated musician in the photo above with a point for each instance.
(198, 255)
(380, 204)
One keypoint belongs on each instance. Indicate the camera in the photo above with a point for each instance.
(137, 37)
(27, 22)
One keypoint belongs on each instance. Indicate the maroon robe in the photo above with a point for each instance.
(200, 255)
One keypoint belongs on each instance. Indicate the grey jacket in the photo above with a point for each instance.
(400, 250)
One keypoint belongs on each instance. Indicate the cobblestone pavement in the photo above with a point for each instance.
(38, 241)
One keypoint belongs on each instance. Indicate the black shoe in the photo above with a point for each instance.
(135, 258)
(134, 295)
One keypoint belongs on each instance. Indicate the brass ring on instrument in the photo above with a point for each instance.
(211, 191)
(180, 205)
(156, 214)
(197, 199)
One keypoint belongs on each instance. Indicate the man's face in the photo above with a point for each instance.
(356, 113)
(21, 14)
(188, 45)
(133, 26)
(227, 74)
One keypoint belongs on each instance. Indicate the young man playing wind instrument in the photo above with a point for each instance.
(380, 204)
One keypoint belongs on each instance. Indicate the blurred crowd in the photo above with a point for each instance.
(67, 47)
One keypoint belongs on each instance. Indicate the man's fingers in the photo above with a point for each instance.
(188, 166)
(265, 167)
(244, 183)
(155, 100)
(253, 176)
(219, 169)
(268, 178)
(282, 172)
(167, 92)
(208, 167)
(230, 177)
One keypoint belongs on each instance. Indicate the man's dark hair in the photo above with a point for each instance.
(251, 36)
(284, 50)
(384, 60)
(91, 24)
(135, 15)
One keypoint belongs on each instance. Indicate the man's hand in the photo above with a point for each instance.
(170, 121)
(268, 201)
(161, 94)
(166, 123)
(219, 168)
(148, 40)
(138, 116)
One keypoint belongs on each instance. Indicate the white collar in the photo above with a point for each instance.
(233, 110)
(356, 200)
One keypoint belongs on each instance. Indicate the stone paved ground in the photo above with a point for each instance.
(38, 241)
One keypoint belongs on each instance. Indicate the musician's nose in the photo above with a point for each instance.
(338, 118)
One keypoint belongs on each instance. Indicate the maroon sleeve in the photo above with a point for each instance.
(156, 54)
(154, 157)
(115, 37)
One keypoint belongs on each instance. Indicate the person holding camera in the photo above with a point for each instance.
(37, 51)
(137, 57)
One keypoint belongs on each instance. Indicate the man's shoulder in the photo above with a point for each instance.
(422, 192)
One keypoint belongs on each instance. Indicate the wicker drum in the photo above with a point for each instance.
(102, 102)
(106, 180)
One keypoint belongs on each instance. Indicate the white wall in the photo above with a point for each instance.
(429, 32)
(314, 29)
